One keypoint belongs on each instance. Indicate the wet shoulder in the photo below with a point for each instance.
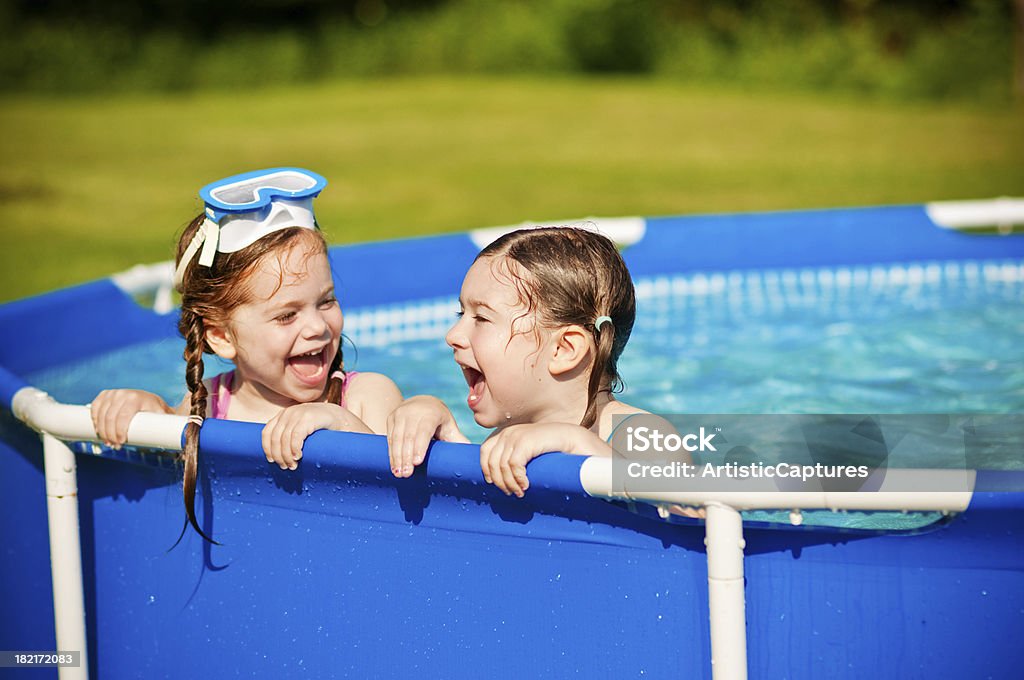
(614, 414)
(364, 383)
(372, 397)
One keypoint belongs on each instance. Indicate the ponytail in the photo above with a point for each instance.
(603, 365)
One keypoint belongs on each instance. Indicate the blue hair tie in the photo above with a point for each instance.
(600, 321)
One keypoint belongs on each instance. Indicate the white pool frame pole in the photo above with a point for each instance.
(726, 602)
(65, 554)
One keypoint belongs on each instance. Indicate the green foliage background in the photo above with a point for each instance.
(436, 116)
(933, 49)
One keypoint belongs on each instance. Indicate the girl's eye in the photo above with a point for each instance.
(285, 318)
(329, 302)
(476, 317)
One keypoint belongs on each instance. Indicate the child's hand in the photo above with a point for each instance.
(503, 457)
(411, 427)
(285, 433)
(112, 412)
(687, 511)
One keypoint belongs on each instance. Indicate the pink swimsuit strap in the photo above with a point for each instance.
(220, 387)
(346, 380)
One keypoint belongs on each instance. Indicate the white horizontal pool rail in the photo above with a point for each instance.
(42, 413)
(994, 212)
(71, 422)
(145, 279)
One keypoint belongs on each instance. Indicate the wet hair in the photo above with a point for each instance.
(574, 276)
(208, 296)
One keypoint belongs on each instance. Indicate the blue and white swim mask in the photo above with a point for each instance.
(242, 209)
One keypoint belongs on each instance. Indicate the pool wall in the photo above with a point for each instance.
(338, 569)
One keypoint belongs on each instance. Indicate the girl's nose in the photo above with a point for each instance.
(455, 337)
(316, 325)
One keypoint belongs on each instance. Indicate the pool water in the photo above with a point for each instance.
(902, 339)
(929, 338)
(909, 338)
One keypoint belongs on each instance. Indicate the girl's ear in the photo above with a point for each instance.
(221, 342)
(571, 346)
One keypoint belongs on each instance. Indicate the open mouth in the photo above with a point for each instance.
(477, 383)
(311, 366)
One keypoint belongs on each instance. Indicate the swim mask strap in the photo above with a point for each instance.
(211, 239)
(207, 237)
(600, 321)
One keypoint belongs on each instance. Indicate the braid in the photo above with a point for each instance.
(335, 384)
(192, 327)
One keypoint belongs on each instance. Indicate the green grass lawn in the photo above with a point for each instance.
(91, 186)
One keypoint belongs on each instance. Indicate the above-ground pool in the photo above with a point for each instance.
(338, 569)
